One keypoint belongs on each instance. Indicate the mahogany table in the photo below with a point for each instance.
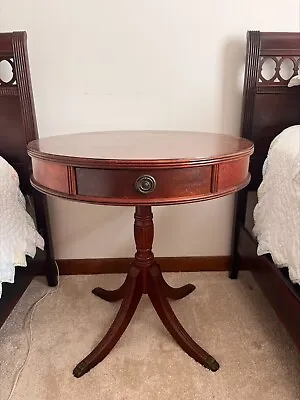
(141, 169)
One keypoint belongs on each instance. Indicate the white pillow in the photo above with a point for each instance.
(295, 81)
(18, 234)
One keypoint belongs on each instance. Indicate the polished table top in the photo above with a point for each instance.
(141, 146)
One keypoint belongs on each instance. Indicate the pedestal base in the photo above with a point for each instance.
(144, 277)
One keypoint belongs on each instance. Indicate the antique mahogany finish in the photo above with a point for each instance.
(269, 106)
(17, 128)
(142, 169)
(103, 167)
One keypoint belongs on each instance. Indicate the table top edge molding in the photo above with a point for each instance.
(137, 163)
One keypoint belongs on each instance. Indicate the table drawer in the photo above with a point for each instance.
(143, 184)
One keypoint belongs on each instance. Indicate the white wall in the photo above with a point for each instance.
(141, 64)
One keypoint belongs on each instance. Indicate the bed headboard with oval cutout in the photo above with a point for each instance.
(17, 113)
(269, 105)
(17, 128)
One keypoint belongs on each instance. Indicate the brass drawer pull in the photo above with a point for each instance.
(145, 184)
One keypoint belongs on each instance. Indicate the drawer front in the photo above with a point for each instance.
(143, 184)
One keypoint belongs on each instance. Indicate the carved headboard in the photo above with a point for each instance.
(17, 114)
(269, 105)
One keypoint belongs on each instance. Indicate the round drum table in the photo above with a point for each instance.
(141, 169)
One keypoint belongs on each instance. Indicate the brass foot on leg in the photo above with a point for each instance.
(211, 364)
(80, 369)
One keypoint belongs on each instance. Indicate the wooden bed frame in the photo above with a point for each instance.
(269, 106)
(17, 128)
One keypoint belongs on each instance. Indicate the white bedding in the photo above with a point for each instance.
(277, 213)
(18, 235)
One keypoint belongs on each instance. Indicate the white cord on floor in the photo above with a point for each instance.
(31, 311)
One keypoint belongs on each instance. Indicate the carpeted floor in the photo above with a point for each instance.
(230, 319)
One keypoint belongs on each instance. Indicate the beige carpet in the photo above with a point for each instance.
(230, 319)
